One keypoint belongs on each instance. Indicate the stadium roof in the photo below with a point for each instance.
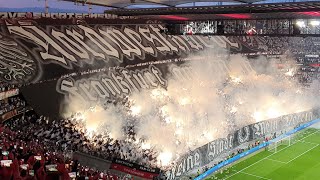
(249, 11)
(249, 8)
(167, 3)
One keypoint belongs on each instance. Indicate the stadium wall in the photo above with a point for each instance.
(92, 161)
(122, 168)
(209, 152)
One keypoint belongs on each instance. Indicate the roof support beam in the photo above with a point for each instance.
(244, 1)
(82, 1)
(148, 1)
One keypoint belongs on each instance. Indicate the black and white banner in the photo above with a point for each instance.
(35, 53)
(209, 152)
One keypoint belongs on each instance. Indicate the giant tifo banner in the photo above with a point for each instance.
(42, 49)
(57, 57)
(209, 152)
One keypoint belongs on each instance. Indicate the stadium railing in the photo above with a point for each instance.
(98, 164)
(246, 153)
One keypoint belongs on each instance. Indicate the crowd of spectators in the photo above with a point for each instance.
(27, 135)
(26, 157)
(11, 103)
(303, 50)
(304, 46)
(33, 147)
(6, 87)
(66, 135)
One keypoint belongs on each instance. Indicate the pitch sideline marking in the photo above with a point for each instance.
(287, 162)
(255, 175)
(309, 142)
(276, 160)
(254, 163)
(268, 156)
(302, 154)
(316, 145)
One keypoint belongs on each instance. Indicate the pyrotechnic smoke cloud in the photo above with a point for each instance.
(206, 98)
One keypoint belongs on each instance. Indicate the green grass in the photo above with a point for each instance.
(300, 161)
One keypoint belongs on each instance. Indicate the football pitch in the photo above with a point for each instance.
(299, 161)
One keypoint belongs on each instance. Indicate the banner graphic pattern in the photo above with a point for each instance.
(239, 156)
(207, 153)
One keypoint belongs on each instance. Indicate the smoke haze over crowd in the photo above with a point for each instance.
(205, 99)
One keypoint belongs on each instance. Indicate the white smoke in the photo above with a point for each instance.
(206, 99)
(97, 119)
